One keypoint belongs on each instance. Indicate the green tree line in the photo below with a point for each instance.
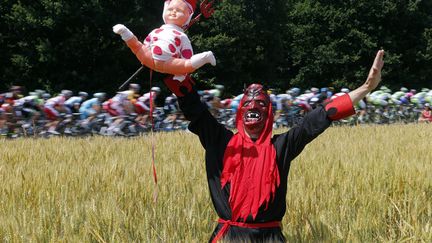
(59, 44)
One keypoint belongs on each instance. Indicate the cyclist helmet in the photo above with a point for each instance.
(100, 95)
(135, 87)
(403, 89)
(219, 87)
(295, 91)
(82, 93)
(345, 90)
(156, 89)
(66, 93)
(40, 92)
(15, 88)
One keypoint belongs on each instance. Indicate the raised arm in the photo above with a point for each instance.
(202, 123)
(320, 118)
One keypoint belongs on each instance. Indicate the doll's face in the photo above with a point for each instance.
(177, 12)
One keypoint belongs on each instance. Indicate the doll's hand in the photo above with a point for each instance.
(123, 31)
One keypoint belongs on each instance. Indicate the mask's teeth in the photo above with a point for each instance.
(253, 115)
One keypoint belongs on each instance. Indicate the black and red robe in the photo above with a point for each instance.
(214, 137)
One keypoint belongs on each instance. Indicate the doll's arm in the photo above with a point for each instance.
(141, 51)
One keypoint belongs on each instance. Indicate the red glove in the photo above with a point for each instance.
(339, 107)
(180, 89)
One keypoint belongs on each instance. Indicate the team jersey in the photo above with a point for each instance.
(56, 101)
(73, 100)
(88, 104)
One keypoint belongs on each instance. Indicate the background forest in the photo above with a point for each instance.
(58, 44)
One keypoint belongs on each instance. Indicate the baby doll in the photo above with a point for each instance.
(168, 49)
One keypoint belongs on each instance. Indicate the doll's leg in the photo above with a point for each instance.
(177, 66)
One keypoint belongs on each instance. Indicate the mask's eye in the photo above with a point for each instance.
(246, 103)
(262, 103)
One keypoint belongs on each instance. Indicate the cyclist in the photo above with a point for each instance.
(144, 103)
(73, 103)
(30, 107)
(171, 105)
(5, 108)
(92, 107)
(428, 97)
(16, 92)
(122, 103)
(215, 103)
(419, 98)
(52, 109)
(117, 107)
(235, 103)
(302, 101)
(171, 109)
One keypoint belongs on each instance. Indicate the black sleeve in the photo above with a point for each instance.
(290, 144)
(202, 123)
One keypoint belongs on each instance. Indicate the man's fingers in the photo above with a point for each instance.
(374, 76)
(379, 62)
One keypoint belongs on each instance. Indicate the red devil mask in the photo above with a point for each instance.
(254, 110)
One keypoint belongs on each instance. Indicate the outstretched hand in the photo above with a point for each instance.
(374, 77)
(372, 81)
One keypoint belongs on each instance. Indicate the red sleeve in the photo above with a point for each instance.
(339, 107)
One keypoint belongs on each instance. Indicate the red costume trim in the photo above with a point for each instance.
(180, 89)
(339, 107)
(228, 223)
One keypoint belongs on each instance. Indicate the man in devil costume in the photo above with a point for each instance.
(247, 172)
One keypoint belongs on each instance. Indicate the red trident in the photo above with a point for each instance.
(206, 10)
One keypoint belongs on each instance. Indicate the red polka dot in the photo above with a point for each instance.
(148, 38)
(158, 31)
(177, 41)
(157, 50)
(187, 53)
(176, 32)
(155, 38)
(172, 48)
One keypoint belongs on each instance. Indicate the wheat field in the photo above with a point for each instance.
(352, 184)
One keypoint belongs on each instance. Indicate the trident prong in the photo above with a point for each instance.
(206, 10)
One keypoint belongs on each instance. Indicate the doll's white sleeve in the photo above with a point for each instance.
(186, 47)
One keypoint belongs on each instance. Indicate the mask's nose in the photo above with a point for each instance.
(253, 104)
